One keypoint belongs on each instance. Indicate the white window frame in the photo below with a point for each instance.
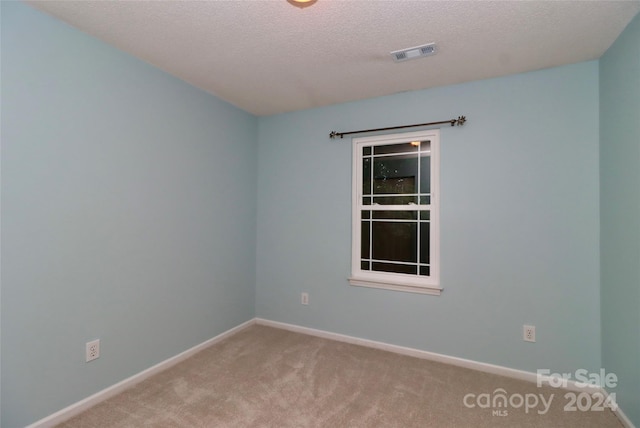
(397, 281)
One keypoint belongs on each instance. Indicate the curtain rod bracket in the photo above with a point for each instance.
(459, 122)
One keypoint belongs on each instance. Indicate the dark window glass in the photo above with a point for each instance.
(395, 148)
(364, 250)
(425, 174)
(425, 200)
(395, 174)
(395, 200)
(391, 267)
(395, 241)
(424, 270)
(366, 176)
(396, 215)
(424, 242)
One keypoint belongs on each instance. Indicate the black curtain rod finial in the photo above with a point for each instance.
(460, 121)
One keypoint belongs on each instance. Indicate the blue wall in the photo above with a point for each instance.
(128, 214)
(520, 222)
(620, 213)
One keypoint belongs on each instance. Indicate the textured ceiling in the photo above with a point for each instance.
(268, 57)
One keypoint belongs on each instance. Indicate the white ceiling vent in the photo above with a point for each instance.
(413, 53)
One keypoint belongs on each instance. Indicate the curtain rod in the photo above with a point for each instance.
(459, 121)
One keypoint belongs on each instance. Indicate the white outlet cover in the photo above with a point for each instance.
(529, 333)
(92, 350)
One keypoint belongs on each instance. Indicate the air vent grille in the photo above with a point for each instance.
(427, 50)
(400, 56)
(413, 53)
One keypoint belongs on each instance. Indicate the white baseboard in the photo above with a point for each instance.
(441, 358)
(571, 385)
(82, 405)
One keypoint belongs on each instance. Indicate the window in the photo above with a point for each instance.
(395, 228)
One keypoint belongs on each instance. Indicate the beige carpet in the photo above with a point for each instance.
(267, 377)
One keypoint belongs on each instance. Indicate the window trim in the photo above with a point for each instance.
(387, 280)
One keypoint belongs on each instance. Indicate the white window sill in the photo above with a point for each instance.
(432, 290)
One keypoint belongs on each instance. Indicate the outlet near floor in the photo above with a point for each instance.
(529, 333)
(92, 350)
(304, 298)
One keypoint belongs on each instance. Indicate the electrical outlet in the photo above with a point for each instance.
(304, 298)
(93, 350)
(529, 333)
